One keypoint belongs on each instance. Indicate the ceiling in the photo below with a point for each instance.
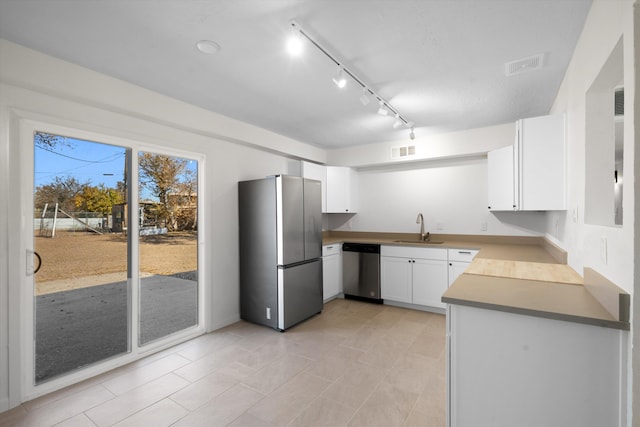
(440, 63)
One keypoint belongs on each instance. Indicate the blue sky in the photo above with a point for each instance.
(85, 161)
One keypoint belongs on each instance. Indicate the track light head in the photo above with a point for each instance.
(397, 122)
(294, 42)
(364, 98)
(412, 134)
(339, 79)
(382, 110)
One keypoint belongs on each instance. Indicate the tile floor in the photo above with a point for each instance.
(356, 364)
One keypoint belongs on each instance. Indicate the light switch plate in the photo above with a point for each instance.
(603, 249)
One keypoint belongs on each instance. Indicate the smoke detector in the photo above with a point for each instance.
(524, 65)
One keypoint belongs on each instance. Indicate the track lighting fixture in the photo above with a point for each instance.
(412, 135)
(382, 110)
(340, 79)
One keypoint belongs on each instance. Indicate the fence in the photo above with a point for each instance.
(48, 221)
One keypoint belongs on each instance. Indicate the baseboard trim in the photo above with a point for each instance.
(4, 404)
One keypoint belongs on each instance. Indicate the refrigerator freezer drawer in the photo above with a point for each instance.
(299, 293)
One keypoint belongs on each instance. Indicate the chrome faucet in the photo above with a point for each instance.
(420, 220)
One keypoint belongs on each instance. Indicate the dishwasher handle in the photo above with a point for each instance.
(368, 248)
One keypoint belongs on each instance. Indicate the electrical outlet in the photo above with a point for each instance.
(483, 226)
(439, 226)
(574, 214)
(268, 313)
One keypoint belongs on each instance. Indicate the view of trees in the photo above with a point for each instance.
(98, 199)
(73, 196)
(47, 140)
(175, 187)
(168, 181)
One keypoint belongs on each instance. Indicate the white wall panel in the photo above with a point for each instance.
(451, 194)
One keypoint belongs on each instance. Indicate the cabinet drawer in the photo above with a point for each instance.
(413, 252)
(466, 255)
(331, 249)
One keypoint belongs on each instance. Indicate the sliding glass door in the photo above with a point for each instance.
(115, 239)
(81, 285)
(168, 223)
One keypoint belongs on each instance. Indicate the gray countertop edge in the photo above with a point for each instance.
(613, 324)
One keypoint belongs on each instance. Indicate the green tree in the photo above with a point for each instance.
(62, 191)
(165, 177)
(97, 199)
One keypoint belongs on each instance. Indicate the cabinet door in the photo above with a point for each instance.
(332, 276)
(430, 281)
(396, 279)
(541, 166)
(456, 268)
(501, 196)
(341, 190)
(319, 173)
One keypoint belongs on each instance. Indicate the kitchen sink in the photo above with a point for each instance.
(419, 242)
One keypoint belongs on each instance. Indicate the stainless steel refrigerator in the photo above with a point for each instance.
(280, 250)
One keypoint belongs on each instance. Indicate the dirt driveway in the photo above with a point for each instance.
(72, 260)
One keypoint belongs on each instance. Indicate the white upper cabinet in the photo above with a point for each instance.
(342, 190)
(530, 175)
(540, 149)
(319, 173)
(500, 188)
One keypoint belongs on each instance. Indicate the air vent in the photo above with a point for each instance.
(619, 102)
(403, 151)
(524, 65)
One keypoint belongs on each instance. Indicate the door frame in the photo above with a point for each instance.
(21, 297)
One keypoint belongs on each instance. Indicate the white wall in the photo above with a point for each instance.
(38, 87)
(450, 193)
(606, 23)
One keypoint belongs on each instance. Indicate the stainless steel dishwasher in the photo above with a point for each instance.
(361, 271)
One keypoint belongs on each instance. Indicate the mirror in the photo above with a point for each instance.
(604, 135)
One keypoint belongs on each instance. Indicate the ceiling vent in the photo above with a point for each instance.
(524, 65)
(403, 152)
(619, 102)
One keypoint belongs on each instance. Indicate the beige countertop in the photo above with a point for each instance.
(523, 275)
(550, 300)
(532, 249)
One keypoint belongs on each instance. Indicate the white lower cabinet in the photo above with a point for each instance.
(331, 271)
(508, 370)
(396, 279)
(413, 275)
(459, 260)
(429, 282)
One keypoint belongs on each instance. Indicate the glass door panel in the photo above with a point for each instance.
(81, 287)
(168, 250)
